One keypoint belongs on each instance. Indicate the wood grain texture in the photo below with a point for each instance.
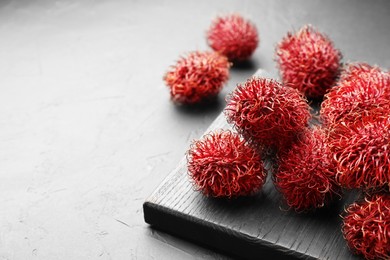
(252, 228)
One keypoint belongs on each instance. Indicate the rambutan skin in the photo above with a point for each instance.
(265, 112)
(357, 69)
(222, 164)
(361, 151)
(233, 36)
(366, 227)
(306, 173)
(360, 89)
(197, 76)
(308, 61)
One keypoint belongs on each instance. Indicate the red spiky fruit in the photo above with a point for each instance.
(266, 112)
(361, 151)
(306, 173)
(223, 165)
(360, 89)
(308, 61)
(357, 69)
(233, 36)
(197, 76)
(366, 227)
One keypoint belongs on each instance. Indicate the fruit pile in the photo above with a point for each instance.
(313, 164)
(199, 76)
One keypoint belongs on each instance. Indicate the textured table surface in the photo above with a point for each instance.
(87, 131)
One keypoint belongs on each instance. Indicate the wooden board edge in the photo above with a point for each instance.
(206, 234)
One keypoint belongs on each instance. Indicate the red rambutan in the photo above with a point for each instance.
(224, 165)
(357, 69)
(308, 61)
(265, 112)
(197, 76)
(360, 89)
(361, 151)
(233, 36)
(366, 227)
(306, 173)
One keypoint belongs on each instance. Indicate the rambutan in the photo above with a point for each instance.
(308, 61)
(233, 36)
(360, 89)
(223, 165)
(366, 227)
(197, 76)
(361, 151)
(265, 112)
(306, 173)
(357, 69)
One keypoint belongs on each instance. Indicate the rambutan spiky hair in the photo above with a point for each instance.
(361, 151)
(197, 76)
(306, 173)
(233, 36)
(308, 61)
(366, 227)
(361, 88)
(222, 164)
(266, 112)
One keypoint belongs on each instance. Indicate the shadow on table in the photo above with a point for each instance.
(246, 65)
(212, 105)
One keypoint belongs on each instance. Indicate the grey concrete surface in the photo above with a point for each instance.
(87, 130)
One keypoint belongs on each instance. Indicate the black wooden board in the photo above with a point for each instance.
(257, 227)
